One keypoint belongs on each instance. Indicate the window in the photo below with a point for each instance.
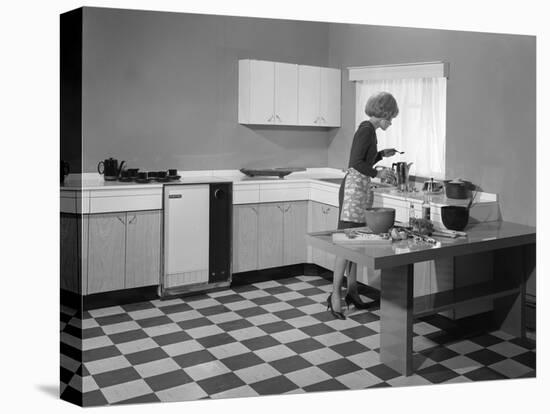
(419, 129)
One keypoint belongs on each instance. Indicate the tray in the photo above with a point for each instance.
(269, 172)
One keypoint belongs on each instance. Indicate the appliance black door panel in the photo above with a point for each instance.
(221, 221)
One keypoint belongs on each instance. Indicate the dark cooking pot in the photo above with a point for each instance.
(455, 217)
(458, 189)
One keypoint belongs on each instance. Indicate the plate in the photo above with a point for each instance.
(162, 180)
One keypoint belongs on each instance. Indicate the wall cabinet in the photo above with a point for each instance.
(322, 217)
(319, 91)
(268, 235)
(275, 93)
(123, 250)
(268, 92)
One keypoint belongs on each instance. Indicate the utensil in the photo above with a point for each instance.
(401, 170)
(110, 169)
(432, 186)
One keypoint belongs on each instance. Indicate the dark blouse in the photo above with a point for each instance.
(364, 152)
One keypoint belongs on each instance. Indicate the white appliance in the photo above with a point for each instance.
(197, 237)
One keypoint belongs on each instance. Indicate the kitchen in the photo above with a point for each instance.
(162, 102)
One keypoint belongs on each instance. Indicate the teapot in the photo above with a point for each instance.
(401, 170)
(111, 170)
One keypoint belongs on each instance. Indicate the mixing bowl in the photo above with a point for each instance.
(380, 219)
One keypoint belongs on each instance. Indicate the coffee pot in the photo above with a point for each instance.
(110, 169)
(401, 170)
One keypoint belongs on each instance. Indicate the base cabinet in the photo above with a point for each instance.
(106, 256)
(123, 250)
(269, 235)
(143, 248)
(322, 217)
(245, 237)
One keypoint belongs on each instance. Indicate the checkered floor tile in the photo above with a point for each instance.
(272, 337)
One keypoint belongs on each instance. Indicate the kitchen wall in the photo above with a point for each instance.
(491, 135)
(159, 90)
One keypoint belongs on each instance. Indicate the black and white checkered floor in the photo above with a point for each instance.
(272, 337)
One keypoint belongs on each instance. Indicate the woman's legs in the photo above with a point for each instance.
(339, 268)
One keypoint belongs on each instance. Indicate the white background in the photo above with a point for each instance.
(29, 204)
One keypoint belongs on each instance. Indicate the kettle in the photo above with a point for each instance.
(401, 170)
(111, 170)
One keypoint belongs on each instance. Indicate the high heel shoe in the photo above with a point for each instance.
(337, 315)
(360, 304)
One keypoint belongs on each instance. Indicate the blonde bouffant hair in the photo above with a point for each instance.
(382, 105)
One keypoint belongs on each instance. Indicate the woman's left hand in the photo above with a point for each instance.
(389, 152)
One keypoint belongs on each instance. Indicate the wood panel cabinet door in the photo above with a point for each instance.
(309, 95)
(286, 94)
(294, 231)
(245, 237)
(143, 230)
(330, 101)
(317, 224)
(106, 252)
(270, 235)
(331, 223)
(69, 259)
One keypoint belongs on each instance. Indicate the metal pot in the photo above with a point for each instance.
(458, 189)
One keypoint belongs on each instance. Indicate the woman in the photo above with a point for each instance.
(355, 194)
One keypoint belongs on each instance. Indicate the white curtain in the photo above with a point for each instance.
(419, 129)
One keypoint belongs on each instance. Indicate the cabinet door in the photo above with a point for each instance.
(262, 92)
(69, 259)
(318, 223)
(330, 97)
(309, 79)
(142, 248)
(270, 233)
(286, 94)
(245, 237)
(331, 223)
(294, 231)
(106, 252)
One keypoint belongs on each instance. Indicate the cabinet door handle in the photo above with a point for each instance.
(271, 118)
(280, 208)
(279, 118)
(288, 207)
(133, 219)
(324, 120)
(121, 220)
(254, 209)
(316, 120)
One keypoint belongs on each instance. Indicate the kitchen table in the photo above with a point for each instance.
(512, 252)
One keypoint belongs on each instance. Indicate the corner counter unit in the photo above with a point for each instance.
(118, 236)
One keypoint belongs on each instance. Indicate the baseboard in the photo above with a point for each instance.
(119, 297)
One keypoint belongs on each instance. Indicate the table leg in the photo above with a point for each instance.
(510, 268)
(396, 318)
